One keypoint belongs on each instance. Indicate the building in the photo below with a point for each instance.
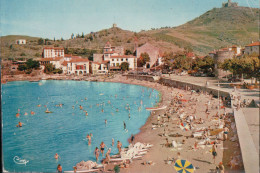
(152, 51)
(230, 4)
(95, 67)
(57, 62)
(252, 48)
(78, 66)
(21, 41)
(116, 61)
(112, 58)
(53, 52)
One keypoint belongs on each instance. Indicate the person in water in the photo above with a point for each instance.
(32, 113)
(89, 139)
(119, 146)
(106, 122)
(124, 125)
(17, 115)
(80, 107)
(59, 168)
(19, 124)
(102, 148)
(96, 153)
(132, 138)
(113, 142)
(56, 156)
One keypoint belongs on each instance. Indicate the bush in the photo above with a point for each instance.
(28, 71)
(117, 169)
(22, 54)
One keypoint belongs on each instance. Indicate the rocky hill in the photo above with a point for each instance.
(214, 29)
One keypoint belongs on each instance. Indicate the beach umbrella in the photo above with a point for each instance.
(184, 126)
(183, 166)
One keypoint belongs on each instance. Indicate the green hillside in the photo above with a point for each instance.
(219, 27)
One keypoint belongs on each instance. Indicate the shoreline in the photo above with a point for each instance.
(158, 153)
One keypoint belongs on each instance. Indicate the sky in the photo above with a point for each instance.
(61, 18)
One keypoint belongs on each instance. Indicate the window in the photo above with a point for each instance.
(112, 59)
(122, 59)
(117, 59)
(126, 59)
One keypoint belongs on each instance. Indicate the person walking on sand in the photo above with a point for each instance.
(96, 153)
(214, 151)
(226, 130)
(119, 146)
(102, 148)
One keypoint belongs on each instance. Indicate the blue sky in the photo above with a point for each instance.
(60, 18)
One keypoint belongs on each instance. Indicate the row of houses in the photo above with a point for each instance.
(110, 60)
(234, 51)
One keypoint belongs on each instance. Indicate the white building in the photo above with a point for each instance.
(21, 41)
(116, 61)
(252, 48)
(78, 66)
(53, 52)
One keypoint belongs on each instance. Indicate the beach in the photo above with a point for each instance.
(201, 158)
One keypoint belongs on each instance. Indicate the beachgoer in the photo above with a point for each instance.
(106, 122)
(119, 146)
(86, 113)
(19, 124)
(178, 155)
(113, 141)
(59, 168)
(214, 151)
(89, 139)
(32, 113)
(220, 167)
(80, 107)
(17, 115)
(124, 125)
(107, 159)
(132, 138)
(102, 148)
(226, 130)
(56, 156)
(96, 153)
(25, 113)
(75, 169)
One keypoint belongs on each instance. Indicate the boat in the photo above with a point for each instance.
(156, 108)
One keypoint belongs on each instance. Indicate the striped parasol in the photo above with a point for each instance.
(183, 166)
(184, 126)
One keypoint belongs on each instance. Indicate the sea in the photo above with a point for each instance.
(32, 147)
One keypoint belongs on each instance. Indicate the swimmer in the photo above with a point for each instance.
(45, 105)
(32, 113)
(96, 153)
(102, 148)
(129, 116)
(73, 107)
(124, 125)
(25, 113)
(102, 110)
(80, 107)
(106, 122)
(86, 113)
(117, 110)
(17, 115)
(113, 142)
(141, 102)
(47, 111)
(56, 156)
(86, 98)
(91, 134)
(38, 105)
(18, 110)
(89, 139)
(119, 146)
(19, 124)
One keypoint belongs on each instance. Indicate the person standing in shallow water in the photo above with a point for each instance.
(124, 125)
(59, 168)
(102, 148)
(96, 153)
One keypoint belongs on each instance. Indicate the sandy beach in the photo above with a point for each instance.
(201, 158)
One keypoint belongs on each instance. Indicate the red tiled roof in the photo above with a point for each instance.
(109, 52)
(254, 44)
(104, 62)
(123, 56)
(50, 59)
(57, 48)
(234, 46)
(95, 63)
(64, 63)
(79, 60)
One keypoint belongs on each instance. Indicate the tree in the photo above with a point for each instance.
(144, 58)
(31, 64)
(72, 36)
(82, 35)
(22, 67)
(128, 52)
(40, 41)
(124, 66)
(49, 68)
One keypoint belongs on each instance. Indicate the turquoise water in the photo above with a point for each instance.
(64, 131)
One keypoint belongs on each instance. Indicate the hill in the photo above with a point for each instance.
(219, 27)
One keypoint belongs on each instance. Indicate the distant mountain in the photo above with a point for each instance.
(219, 27)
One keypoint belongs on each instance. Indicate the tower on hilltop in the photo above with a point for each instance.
(230, 4)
